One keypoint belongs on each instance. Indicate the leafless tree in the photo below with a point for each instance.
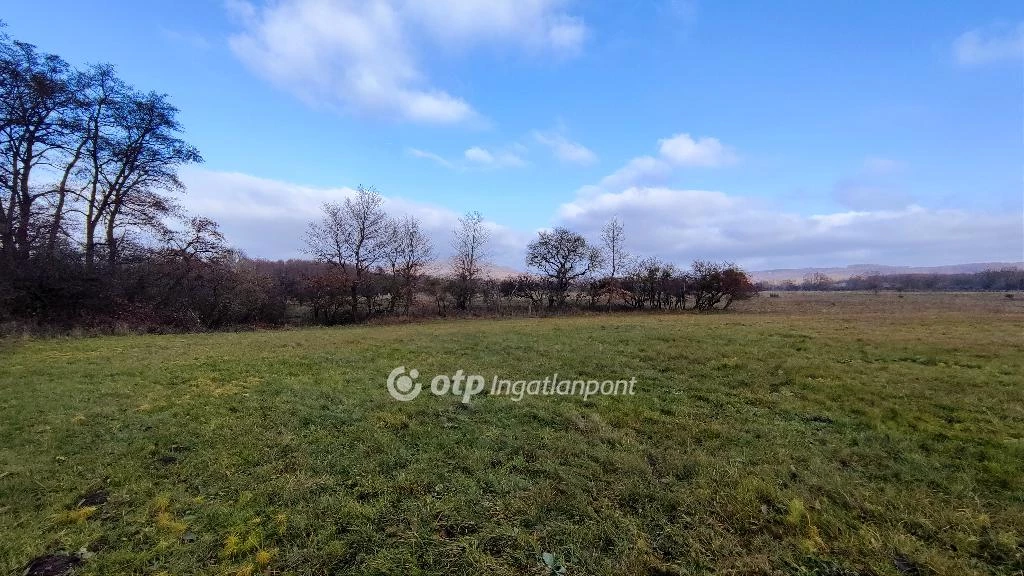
(613, 237)
(104, 90)
(563, 257)
(354, 235)
(525, 287)
(200, 240)
(470, 245)
(133, 153)
(142, 157)
(817, 281)
(68, 163)
(35, 96)
(409, 251)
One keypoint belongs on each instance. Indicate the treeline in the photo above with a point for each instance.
(91, 233)
(1006, 280)
(89, 227)
(369, 263)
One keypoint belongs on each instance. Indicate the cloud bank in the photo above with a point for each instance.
(268, 218)
(360, 55)
(682, 225)
(880, 225)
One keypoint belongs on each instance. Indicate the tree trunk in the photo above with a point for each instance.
(24, 204)
(62, 193)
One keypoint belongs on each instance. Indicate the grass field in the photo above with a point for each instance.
(806, 434)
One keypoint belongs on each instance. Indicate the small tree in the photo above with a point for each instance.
(736, 285)
(613, 236)
(712, 283)
(470, 244)
(36, 99)
(817, 281)
(563, 257)
(356, 234)
(705, 284)
(409, 251)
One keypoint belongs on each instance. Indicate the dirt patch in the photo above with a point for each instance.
(94, 498)
(906, 566)
(52, 565)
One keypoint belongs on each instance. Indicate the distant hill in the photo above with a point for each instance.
(798, 274)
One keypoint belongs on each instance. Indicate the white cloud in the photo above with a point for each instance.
(682, 225)
(499, 159)
(882, 226)
(535, 24)
(564, 149)
(642, 170)
(683, 150)
(478, 155)
(268, 218)
(567, 35)
(341, 53)
(990, 44)
(359, 55)
(678, 151)
(416, 152)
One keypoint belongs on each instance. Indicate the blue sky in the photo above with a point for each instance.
(774, 134)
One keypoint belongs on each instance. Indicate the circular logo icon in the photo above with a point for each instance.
(403, 387)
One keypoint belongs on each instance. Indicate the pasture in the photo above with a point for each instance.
(830, 433)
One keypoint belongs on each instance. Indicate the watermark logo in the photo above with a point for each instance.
(405, 387)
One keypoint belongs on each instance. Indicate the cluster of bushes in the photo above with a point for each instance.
(371, 264)
(646, 284)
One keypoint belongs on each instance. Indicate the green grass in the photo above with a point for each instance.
(755, 444)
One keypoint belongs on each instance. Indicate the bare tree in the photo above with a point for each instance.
(327, 238)
(817, 281)
(470, 244)
(143, 155)
(525, 287)
(613, 237)
(105, 88)
(409, 251)
(132, 154)
(354, 235)
(200, 240)
(563, 256)
(68, 165)
(35, 96)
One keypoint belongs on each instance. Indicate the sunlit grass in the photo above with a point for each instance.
(756, 443)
